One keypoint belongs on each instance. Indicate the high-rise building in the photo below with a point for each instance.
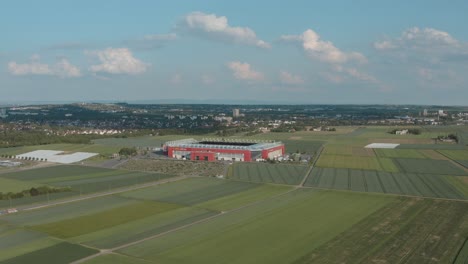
(236, 112)
(425, 112)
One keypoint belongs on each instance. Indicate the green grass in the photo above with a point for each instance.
(462, 256)
(443, 167)
(400, 153)
(17, 237)
(191, 191)
(26, 247)
(57, 254)
(455, 154)
(464, 163)
(426, 185)
(403, 231)
(10, 185)
(458, 184)
(116, 259)
(61, 171)
(66, 211)
(142, 228)
(267, 173)
(274, 231)
(356, 162)
(348, 150)
(243, 198)
(108, 218)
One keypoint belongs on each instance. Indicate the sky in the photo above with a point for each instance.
(297, 51)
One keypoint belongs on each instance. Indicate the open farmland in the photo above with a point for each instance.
(432, 231)
(262, 229)
(268, 173)
(356, 162)
(455, 154)
(444, 167)
(10, 185)
(348, 150)
(426, 185)
(81, 180)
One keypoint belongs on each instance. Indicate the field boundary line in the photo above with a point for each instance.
(390, 194)
(458, 164)
(311, 167)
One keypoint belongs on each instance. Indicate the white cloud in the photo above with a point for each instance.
(289, 78)
(419, 38)
(176, 78)
(243, 71)
(217, 27)
(117, 61)
(63, 68)
(325, 51)
(161, 37)
(207, 79)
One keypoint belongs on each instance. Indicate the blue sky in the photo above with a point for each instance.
(393, 52)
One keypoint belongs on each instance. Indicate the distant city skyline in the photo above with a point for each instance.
(297, 52)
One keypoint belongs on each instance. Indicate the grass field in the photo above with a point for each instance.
(348, 150)
(356, 162)
(406, 153)
(10, 185)
(403, 231)
(455, 154)
(426, 185)
(108, 218)
(267, 173)
(444, 167)
(114, 258)
(57, 254)
(191, 191)
(264, 230)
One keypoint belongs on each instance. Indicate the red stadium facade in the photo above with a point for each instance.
(216, 149)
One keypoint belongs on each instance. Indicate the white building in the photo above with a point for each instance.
(236, 112)
(3, 113)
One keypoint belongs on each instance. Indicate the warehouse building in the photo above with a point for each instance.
(224, 149)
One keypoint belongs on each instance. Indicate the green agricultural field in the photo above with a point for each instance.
(443, 167)
(426, 185)
(108, 218)
(356, 162)
(42, 174)
(348, 150)
(302, 146)
(57, 254)
(403, 231)
(66, 211)
(246, 197)
(401, 153)
(455, 154)
(463, 163)
(191, 191)
(116, 258)
(144, 227)
(10, 185)
(263, 232)
(267, 173)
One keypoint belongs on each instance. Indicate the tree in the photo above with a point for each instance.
(128, 151)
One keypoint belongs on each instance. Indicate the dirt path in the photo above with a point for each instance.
(311, 167)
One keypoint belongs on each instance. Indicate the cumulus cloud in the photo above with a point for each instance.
(289, 78)
(243, 71)
(117, 61)
(63, 68)
(322, 50)
(418, 38)
(217, 27)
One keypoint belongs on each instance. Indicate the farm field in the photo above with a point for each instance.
(81, 180)
(426, 185)
(403, 205)
(429, 166)
(377, 238)
(356, 162)
(10, 185)
(268, 232)
(267, 173)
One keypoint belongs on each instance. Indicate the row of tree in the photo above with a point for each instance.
(34, 191)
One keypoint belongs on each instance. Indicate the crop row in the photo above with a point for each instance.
(268, 173)
(383, 182)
